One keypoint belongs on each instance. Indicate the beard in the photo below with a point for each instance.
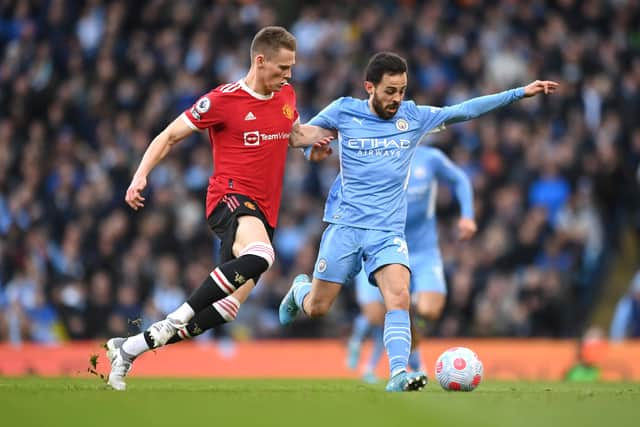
(382, 110)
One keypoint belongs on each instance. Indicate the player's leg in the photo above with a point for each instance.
(122, 352)
(429, 292)
(387, 257)
(366, 294)
(226, 309)
(253, 255)
(393, 280)
(415, 357)
(235, 253)
(339, 259)
(430, 304)
(247, 251)
(375, 312)
(220, 312)
(360, 330)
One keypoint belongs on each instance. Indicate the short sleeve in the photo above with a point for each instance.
(328, 118)
(432, 118)
(204, 113)
(296, 115)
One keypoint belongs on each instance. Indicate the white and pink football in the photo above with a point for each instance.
(459, 369)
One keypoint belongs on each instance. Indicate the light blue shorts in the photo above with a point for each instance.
(427, 276)
(343, 250)
(427, 272)
(366, 293)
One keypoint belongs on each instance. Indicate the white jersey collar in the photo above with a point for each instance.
(253, 93)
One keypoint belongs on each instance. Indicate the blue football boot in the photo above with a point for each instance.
(288, 308)
(407, 381)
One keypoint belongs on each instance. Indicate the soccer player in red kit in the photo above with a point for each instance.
(250, 124)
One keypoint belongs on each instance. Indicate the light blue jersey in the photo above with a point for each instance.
(370, 193)
(430, 166)
(375, 155)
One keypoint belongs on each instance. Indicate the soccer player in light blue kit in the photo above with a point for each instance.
(427, 287)
(366, 206)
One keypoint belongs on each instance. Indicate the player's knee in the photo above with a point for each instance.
(262, 250)
(397, 299)
(429, 312)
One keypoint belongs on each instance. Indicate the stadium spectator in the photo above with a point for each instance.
(84, 85)
(626, 318)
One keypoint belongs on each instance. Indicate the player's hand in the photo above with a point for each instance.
(134, 193)
(466, 228)
(321, 149)
(540, 86)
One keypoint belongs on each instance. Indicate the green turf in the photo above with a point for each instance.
(304, 403)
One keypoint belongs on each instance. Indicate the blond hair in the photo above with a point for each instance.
(270, 39)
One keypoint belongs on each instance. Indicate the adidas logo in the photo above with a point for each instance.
(249, 116)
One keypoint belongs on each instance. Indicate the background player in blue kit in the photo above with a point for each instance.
(428, 288)
(366, 206)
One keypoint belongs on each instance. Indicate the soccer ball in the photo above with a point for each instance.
(459, 369)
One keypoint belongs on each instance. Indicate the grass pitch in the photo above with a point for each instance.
(324, 403)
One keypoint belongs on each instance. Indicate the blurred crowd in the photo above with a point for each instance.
(86, 85)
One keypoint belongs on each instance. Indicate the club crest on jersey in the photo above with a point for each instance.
(287, 110)
(402, 124)
(322, 265)
(202, 106)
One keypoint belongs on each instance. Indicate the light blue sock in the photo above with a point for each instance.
(378, 348)
(415, 360)
(397, 339)
(360, 329)
(299, 293)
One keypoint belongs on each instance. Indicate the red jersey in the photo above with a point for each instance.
(249, 135)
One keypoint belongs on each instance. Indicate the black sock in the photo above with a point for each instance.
(225, 279)
(201, 322)
(147, 338)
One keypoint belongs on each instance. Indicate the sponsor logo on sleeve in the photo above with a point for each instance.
(322, 265)
(203, 105)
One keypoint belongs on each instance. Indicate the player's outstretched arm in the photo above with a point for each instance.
(156, 151)
(476, 107)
